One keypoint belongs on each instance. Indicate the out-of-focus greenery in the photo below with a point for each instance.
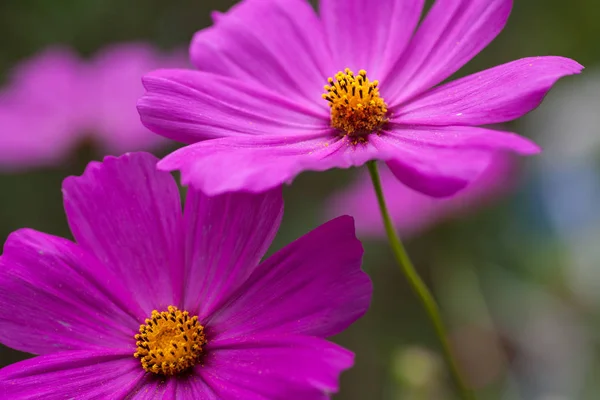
(481, 267)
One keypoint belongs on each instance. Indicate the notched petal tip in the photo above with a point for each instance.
(94, 166)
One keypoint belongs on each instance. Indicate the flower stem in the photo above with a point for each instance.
(417, 284)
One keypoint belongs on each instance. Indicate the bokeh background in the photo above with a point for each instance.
(517, 278)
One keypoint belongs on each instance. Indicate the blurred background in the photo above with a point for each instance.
(514, 266)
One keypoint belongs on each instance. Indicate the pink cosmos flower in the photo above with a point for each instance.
(413, 212)
(114, 84)
(55, 99)
(40, 110)
(153, 303)
(256, 113)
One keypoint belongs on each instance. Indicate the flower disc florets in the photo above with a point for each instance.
(170, 342)
(356, 105)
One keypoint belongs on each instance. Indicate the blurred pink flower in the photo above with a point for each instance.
(413, 212)
(39, 108)
(55, 99)
(115, 76)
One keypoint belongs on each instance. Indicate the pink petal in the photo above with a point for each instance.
(452, 33)
(75, 374)
(463, 137)
(189, 386)
(314, 286)
(189, 106)
(275, 368)
(114, 82)
(129, 215)
(192, 387)
(499, 94)
(226, 237)
(260, 163)
(436, 172)
(366, 36)
(56, 296)
(40, 110)
(440, 161)
(50, 83)
(33, 139)
(151, 388)
(413, 212)
(273, 43)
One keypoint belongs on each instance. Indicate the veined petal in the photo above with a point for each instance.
(129, 215)
(260, 163)
(364, 34)
(462, 137)
(55, 296)
(273, 43)
(314, 286)
(451, 34)
(276, 368)
(433, 170)
(193, 387)
(499, 94)
(226, 237)
(151, 388)
(72, 374)
(185, 387)
(189, 106)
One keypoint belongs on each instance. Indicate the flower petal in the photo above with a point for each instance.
(226, 237)
(314, 286)
(278, 368)
(437, 172)
(465, 137)
(273, 43)
(189, 106)
(365, 35)
(185, 387)
(73, 374)
(440, 161)
(114, 78)
(38, 130)
(261, 163)
(452, 33)
(36, 139)
(193, 387)
(129, 215)
(55, 296)
(499, 94)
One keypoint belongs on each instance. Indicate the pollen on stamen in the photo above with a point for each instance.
(357, 109)
(170, 342)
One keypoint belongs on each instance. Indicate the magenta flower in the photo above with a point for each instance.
(256, 113)
(411, 211)
(153, 303)
(114, 86)
(40, 110)
(55, 99)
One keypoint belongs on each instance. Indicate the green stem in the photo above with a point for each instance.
(417, 284)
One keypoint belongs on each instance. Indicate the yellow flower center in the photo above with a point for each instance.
(169, 342)
(356, 106)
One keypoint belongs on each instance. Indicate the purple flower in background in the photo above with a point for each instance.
(413, 212)
(55, 99)
(113, 85)
(40, 110)
(257, 112)
(154, 303)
